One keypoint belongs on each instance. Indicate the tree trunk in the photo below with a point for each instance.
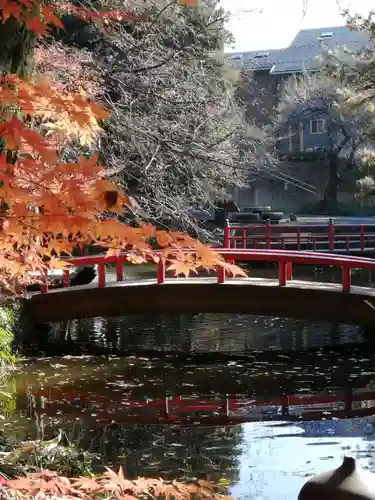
(16, 57)
(332, 188)
(16, 48)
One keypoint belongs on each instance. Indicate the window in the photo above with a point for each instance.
(317, 126)
(261, 54)
(325, 35)
(236, 56)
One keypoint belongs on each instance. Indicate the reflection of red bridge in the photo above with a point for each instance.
(188, 410)
(282, 296)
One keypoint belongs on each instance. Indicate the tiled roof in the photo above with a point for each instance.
(302, 53)
(340, 36)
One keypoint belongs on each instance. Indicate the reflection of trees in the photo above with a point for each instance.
(195, 333)
(130, 333)
(168, 450)
(13, 423)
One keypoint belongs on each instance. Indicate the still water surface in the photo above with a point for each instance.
(202, 395)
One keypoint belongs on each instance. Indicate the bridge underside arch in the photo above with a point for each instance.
(314, 302)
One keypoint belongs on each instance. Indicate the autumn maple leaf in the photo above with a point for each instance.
(88, 484)
(50, 17)
(10, 9)
(233, 269)
(163, 239)
(181, 267)
(36, 25)
(113, 481)
(55, 263)
(51, 483)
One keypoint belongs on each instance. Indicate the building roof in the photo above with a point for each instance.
(302, 54)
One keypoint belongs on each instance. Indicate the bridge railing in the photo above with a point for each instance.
(315, 237)
(285, 259)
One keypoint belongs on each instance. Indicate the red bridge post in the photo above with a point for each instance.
(289, 271)
(44, 285)
(120, 270)
(101, 274)
(66, 280)
(346, 274)
(362, 236)
(226, 234)
(220, 275)
(160, 272)
(268, 234)
(285, 272)
(331, 236)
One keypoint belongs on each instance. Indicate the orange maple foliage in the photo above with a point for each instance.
(49, 207)
(33, 13)
(111, 485)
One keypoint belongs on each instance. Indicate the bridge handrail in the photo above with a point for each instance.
(270, 232)
(238, 254)
(284, 258)
(236, 225)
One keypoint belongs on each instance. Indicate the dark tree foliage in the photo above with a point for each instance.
(177, 138)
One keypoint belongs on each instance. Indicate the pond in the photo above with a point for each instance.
(262, 402)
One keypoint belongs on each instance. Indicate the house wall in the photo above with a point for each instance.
(288, 197)
(261, 98)
(276, 194)
(313, 141)
(309, 141)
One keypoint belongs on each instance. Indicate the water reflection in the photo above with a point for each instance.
(187, 334)
(202, 395)
(277, 459)
(178, 418)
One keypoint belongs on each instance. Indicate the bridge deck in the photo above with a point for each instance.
(298, 299)
(252, 281)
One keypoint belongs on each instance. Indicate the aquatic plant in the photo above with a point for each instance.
(57, 454)
(8, 315)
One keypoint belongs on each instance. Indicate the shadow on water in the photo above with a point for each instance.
(265, 402)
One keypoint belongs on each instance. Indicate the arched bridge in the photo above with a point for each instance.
(216, 293)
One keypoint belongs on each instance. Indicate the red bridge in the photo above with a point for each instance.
(339, 238)
(115, 295)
